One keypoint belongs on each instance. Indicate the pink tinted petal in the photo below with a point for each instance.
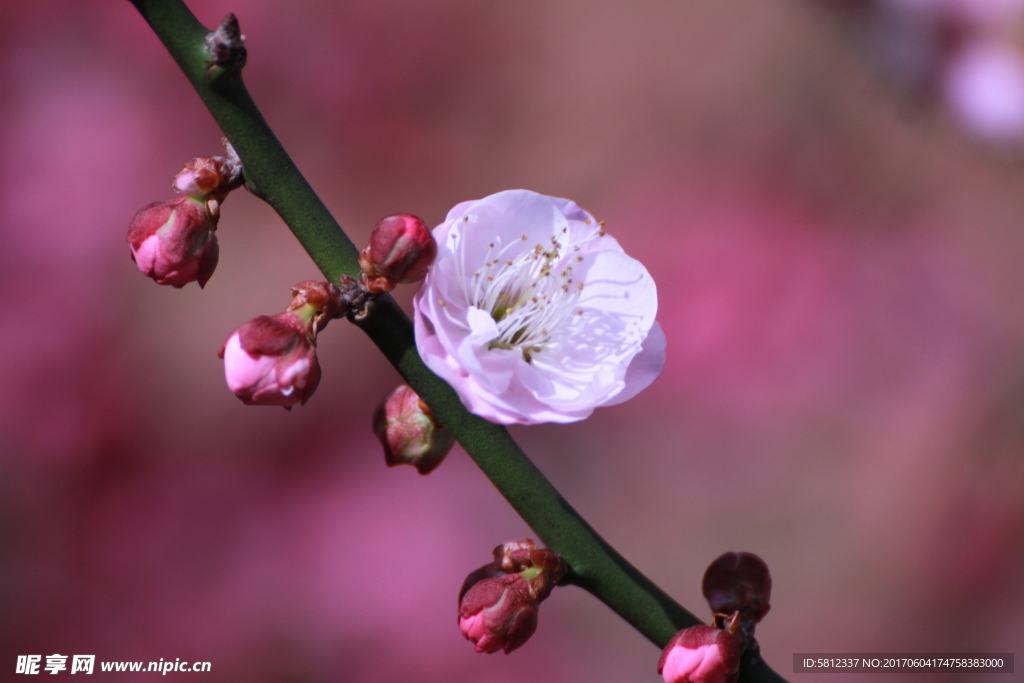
(186, 182)
(511, 214)
(458, 211)
(146, 254)
(571, 210)
(449, 317)
(292, 375)
(491, 231)
(551, 392)
(482, 328)
(492, 368)
(480, 402)
(433, 353)
(472, 627)
(243, 371)
(447, 284)
(699, 665)
(615, 283)
(645, 367)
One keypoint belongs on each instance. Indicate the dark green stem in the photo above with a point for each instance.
(271, 175)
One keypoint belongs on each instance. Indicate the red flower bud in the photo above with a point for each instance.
(700, 654)
(401, 250)
(173, 241)
(498, 613)
(498, 602)
(271, 360)
(409, 432)
(739, 582)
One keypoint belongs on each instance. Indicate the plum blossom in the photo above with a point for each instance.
(533, 313)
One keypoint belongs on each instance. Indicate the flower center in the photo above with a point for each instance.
(531, 296)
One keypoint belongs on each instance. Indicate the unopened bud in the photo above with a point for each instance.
(226, 46)
(173, 241)
(271, 361)
(401, 249)
(200, 176)
(498, 608)
(498, 613)
(739, 582)
(409, 432)
(700, 654)
(215, 176)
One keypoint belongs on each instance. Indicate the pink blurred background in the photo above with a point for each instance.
(839, 271)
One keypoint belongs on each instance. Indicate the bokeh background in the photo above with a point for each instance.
(831, 209)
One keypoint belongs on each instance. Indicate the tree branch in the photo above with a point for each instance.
(271, 175)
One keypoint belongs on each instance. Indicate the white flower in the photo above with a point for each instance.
(533, 314)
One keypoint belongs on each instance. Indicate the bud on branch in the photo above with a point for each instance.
(400, 251)
(409, 432)
(271, 360)
(499, 601)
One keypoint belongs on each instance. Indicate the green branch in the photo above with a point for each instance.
(271, 175)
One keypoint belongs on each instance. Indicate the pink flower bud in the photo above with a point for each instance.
(498, 613)
(271, 360)
(401, 250)
(700, 654)
(739, 582)
(173, 241)
(498, 602)
(409, 432)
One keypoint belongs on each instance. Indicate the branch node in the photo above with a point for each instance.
(226, 47)
(355, 299)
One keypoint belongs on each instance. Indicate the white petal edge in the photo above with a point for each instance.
(645, 367)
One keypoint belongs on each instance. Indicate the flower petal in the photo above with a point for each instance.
(618, 284)
(645, 368)
(244, 372)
